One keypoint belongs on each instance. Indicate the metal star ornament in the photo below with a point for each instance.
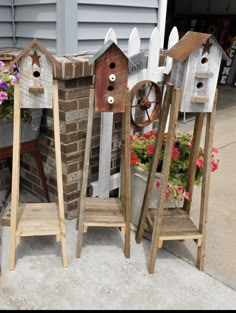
(207, 47)
(35, 59)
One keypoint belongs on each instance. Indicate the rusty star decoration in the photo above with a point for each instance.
(207, 47)
(35, 59)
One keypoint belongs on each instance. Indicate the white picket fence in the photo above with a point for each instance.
(153, 72)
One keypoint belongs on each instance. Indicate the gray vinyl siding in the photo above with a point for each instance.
(6, 28)
(95, 17)
(63, 31)
(36, 19)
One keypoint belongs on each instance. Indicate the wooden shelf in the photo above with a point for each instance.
(37, 219)
(103, 212)
(176, 225)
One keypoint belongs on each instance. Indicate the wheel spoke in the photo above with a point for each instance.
(149, 91)
(148, 115)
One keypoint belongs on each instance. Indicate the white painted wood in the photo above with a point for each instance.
(161, 20)
(114, 183)
(130, 3)
(173, 39)
(190, 84)
(152, 67)
(28, 80)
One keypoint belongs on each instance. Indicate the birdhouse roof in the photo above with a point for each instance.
(33, 43)
(103, 49)
(188, 43)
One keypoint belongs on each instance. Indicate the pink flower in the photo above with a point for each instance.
(200, 162)
(215, 150)
(3, 95)
(186, 195)
(214, 165)
(175, 153)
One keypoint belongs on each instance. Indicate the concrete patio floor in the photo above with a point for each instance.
(103, 279)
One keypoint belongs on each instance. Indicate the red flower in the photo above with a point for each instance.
(158, 185)
(167, 194)
(150, 149)
(180, 189)
(133, 159)
(153, 133)
(175, 153)
(132, 138)
(147, 136)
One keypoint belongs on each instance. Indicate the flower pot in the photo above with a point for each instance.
(138, 186)
(29, 130)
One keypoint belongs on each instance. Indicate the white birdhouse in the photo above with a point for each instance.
(196, 65)
(35, 65)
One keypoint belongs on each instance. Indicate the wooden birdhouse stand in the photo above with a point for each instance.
(110, 95)
(194, 76)
(36, 90)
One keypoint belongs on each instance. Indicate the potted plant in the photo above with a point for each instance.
(142, 149)
(31, 119)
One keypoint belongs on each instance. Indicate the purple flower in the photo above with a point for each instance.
(2, 64)
(3, 85)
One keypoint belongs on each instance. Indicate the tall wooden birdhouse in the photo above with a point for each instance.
(35, 65)
(196, 64)
(111, 78)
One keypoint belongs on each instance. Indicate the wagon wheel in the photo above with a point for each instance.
(141, 95)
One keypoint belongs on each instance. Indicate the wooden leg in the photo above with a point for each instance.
(83, 191)
(126, 126)
(59, 174)
(193, 156)
(15, 176)
(164, 181)
(155, 160)
(206, 183)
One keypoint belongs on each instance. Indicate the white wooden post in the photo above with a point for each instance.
(173, 39)
(161, 20)
(105, 143)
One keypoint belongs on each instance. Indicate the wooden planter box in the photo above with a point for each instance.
(29, 130)
(138, 186)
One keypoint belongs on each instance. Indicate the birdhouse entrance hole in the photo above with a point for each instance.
(36, 74)
(204, 60)
(112, 65)
(200, 85)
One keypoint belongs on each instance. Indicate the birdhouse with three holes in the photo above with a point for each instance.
(35, 65)
(111, 78)
(196, 64)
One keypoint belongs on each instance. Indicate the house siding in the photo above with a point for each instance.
(95, 17)
(35, 19)
(6, 27)
(39, 18)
